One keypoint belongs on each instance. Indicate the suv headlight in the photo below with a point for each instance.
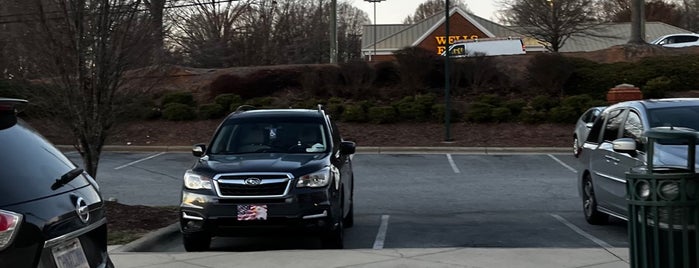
(196, 181)
(319, 178)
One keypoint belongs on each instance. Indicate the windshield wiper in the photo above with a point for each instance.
(66, 178)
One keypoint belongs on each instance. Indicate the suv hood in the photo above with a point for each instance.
(673, 156)
(297, 164)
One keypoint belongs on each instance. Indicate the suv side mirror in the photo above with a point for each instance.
(198, 150)
(347, 147)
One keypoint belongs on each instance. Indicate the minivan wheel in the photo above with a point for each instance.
(592, 215)
(196, 242)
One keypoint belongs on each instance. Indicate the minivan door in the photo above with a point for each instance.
(608, 172)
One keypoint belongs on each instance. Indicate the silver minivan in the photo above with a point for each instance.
(616, 144)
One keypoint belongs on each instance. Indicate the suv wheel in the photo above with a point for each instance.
(592, 215)
(348, 221)
(196, 242)
(334, 238)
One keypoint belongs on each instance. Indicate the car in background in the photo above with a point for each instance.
(486, 47)
(270, 172)
(582, 127)
(677, 40)
(616, 144)
(51, 211)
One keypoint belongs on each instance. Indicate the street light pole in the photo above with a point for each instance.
(333, 31)
(447, 99)
(375, 35)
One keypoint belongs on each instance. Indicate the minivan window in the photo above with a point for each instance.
(633, 128)
(614, 121)
(685, 117)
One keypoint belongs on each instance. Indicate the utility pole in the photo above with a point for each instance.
(375, 35)
(447, 98)
(333, 31)
(638, 22)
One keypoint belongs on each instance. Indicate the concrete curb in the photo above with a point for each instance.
(150, 239)
(364, 149)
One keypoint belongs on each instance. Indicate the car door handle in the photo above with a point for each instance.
(611, 159)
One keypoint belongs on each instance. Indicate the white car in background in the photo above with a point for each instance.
(677, 40)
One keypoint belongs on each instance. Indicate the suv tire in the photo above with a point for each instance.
(196, 242)
(592, 215)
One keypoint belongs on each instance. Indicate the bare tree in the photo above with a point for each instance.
(82, 50)
(690, 15)
(552, 21)
(655, 10)
(431, 7)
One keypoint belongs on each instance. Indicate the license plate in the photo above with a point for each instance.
(70, 255)
(252, 212)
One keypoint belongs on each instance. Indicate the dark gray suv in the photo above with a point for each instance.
(616, 145)
(270, 172)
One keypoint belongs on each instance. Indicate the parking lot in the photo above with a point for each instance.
(409, 201)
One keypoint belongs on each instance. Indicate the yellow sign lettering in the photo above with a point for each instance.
(441, 40)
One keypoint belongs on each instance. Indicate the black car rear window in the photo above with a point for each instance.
(29, 165)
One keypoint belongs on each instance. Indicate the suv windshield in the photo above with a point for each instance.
(276, 136)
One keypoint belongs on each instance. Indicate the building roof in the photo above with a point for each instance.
(393, 37)
(613, 34)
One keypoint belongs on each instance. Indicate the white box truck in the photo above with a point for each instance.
(486, 47)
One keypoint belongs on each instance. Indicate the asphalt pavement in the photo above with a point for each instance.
(139, 253)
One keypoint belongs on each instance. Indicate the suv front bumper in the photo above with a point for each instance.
(309, 211)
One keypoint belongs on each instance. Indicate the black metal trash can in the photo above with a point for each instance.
(664, 207)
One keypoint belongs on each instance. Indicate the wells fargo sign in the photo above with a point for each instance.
(442, 41)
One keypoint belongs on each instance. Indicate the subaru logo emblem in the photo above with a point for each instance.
(82, 210)
(253, 181)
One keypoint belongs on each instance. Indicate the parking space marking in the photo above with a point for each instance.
(576, 229)
(562, 164)
(453, 165)
(70, 153)
(139, 161)
(381, 235)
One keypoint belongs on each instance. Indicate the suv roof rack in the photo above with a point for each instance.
(8, 104)
(243, 108)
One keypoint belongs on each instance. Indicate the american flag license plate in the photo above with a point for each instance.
(70, 255)
(252, 212)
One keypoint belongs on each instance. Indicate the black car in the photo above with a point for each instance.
(270, 172)
(51, 212)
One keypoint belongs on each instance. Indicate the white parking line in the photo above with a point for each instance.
(563, 164)
(583, 233)
(381, 235)
(140, 160)
(71, 153)
(453, 165)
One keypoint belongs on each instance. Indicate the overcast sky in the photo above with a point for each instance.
(394, 11)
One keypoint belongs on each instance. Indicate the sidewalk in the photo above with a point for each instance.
(123, 256)
(406, 257)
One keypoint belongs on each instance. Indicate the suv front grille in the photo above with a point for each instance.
(247, 185)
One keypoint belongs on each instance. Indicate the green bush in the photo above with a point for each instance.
(501, 114)
(530, 115)
(179, 112)
(515, 106)
(211, 111)
(657, 87)
(335, 109)
(382, 114)
(354, 113)
(564, 114)
(227, 100)
(181, 97)
(543, 103)
(152, 113)
(480, 112)
(491, 99)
